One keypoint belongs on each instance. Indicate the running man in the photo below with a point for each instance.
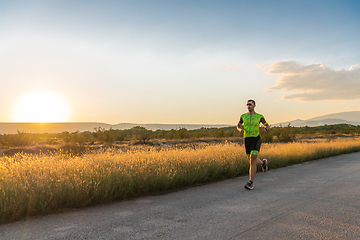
(249, 124)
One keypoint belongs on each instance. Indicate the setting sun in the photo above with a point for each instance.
(41, 106)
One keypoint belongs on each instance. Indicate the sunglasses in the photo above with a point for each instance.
(249, 104)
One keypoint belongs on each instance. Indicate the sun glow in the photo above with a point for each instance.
(41, 106)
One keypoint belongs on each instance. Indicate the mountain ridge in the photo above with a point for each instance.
(352, 117)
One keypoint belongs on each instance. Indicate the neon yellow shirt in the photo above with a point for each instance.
(251, 124)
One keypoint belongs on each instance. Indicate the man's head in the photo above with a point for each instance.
(250, 105)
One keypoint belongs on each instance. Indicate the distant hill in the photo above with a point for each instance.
(352, 118)
(11, 128)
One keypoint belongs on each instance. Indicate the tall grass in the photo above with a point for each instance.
(33, 184)
(285, 154)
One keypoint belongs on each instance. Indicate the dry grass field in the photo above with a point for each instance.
(39, 184)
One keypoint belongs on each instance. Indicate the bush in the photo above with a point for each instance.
(104, 136)
(267, 137)
(141, 134)
(219, 133)
(285, 134)
(20, 139)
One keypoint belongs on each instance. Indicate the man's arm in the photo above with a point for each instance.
(266, 125)
(266, 128)
(240, 126)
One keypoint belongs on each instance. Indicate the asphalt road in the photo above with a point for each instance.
(315, 200)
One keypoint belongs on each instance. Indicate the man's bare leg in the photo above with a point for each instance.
(254, 161)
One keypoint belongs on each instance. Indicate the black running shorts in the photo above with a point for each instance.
(252, 145)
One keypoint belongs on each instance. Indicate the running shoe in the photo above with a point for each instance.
(249, 185)
(264, 166)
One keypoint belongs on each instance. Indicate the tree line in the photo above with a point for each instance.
(143, 135)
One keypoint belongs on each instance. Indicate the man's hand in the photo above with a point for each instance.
(264, 130)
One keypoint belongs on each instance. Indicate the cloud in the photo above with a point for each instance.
(261, 67)
(354, 67)
(227, 68)
(314, 82)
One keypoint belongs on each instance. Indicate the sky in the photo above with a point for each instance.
(188, 62)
